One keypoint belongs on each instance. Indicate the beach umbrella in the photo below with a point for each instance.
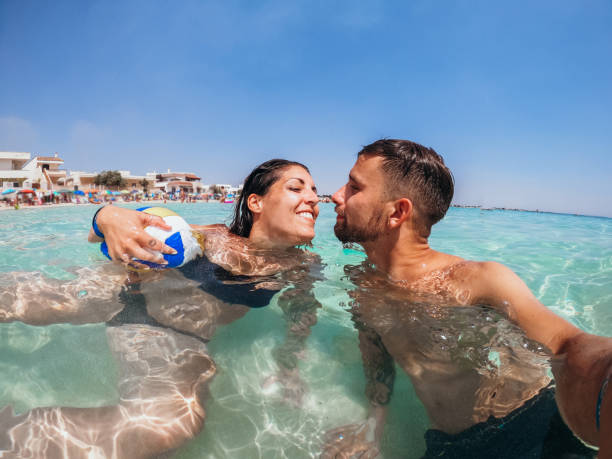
(79, 193)
(125, 192)
(10, 190)
(116, 193)
(109, 192)
(26, 191)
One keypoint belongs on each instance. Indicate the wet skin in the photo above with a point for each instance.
(168, 386)
(388, 226)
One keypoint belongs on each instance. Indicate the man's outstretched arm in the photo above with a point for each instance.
(581, 364)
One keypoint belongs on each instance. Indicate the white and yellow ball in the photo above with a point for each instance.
(180, 238)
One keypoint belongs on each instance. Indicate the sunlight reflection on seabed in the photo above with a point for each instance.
(163, 378)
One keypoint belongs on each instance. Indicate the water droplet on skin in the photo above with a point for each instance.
(82, 293)
(340, 437)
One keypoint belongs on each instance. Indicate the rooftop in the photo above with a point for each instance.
(14, 155)
(49, 158)
(180, 174)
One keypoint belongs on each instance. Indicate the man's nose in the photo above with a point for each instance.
(338, 196)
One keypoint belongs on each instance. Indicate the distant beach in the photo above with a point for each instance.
(83, 204)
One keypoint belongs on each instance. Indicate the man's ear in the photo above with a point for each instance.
(255, 204)
(402, 211)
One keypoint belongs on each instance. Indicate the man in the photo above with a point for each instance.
(396, 191)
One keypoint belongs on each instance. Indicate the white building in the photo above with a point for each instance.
(19, 169)
(79, 180)
(11, 169)
(176, 182)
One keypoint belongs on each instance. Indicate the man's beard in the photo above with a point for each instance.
(366, 233)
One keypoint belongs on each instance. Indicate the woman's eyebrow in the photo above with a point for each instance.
(314, 188)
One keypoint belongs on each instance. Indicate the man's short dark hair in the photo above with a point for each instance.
(417, 173)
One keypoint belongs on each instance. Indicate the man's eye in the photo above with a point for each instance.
(354, 187)
(295, 189)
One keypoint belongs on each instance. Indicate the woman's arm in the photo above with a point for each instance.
(161, 379)
(37, 300)
(124, 233)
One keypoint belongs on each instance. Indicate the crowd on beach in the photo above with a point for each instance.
(30, 198)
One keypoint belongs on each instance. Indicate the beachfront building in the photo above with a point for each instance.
(46, 172)
(12, 174)
(19, 169)
(79, 180)
(135, 182)
(177, 182)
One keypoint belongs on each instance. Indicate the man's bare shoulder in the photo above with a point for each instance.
(478, 280)
(461, 269)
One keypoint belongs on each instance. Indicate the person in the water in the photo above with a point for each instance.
(480, 405)
(159, 329)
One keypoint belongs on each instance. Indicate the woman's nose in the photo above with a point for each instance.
(312, 197)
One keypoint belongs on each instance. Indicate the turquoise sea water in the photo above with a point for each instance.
(565, 260)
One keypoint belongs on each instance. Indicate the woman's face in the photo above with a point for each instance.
(285, 216)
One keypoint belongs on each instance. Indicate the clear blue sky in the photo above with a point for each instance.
(517, 96)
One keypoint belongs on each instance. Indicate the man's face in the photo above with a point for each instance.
(359, 203)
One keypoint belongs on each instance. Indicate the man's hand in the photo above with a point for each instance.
(126, 238)
(580, 368)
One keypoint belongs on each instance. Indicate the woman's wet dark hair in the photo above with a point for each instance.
(258, 182)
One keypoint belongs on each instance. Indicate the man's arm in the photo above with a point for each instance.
(582, 361)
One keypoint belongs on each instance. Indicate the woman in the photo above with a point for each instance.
(164, 373)
(276, 210)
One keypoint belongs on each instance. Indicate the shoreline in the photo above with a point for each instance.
(73, 204)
